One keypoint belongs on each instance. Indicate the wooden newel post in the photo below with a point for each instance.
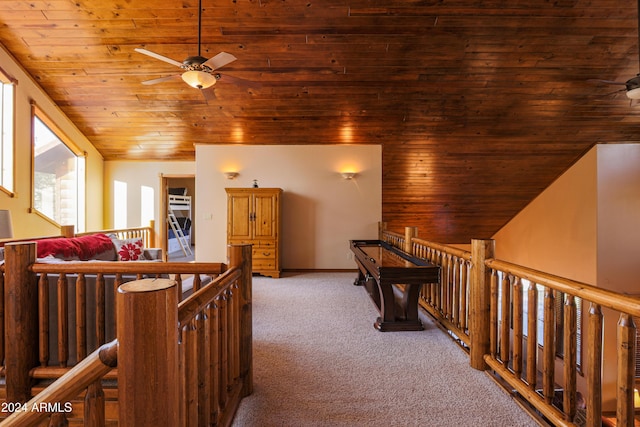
(68, 231)
(240, 256)
(480, 301)
(382, 227)
(409, 233)
(152, 233)
(21, 320)
(148, 380)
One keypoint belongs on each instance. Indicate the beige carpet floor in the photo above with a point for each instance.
(318, 361)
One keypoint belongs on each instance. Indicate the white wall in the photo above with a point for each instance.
(137, 174)
(556, 232)
(27, 224)
(321, 211)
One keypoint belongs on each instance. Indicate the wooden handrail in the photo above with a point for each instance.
(194, 304)
(448, 249)
(67, 387)
(603, 297)
(124, 267)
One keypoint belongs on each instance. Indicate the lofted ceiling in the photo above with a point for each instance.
(478, 104)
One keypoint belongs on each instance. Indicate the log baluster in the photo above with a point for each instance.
(549, 347)
(197, 282)
(445, 271)
(505, 320)
(63, 323)
(455, 304)
(81, 317)
(532, 335)
(594, 370)
(189, 358)
(518, 334)
(222, 342)
(626, 338)
(100, 309)
(204, 357)
(493, 315)
(43, 318)
(58, 419)
(570, 357)
(94, 405)
(178, 279)
(464, 288)
(214, 350)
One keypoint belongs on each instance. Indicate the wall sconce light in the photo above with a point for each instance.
(636, 398)
(348, 175)
(231, 175)
(6, 231)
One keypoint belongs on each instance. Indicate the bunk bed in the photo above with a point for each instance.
(179, 219)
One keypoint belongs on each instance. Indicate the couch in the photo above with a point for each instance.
(80, 250)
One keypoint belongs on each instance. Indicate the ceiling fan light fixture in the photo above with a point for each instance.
(633, 93)
(199, 79)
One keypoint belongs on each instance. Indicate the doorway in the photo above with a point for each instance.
(178, 208)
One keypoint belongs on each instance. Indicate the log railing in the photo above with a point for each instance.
(493, 307)
(146, 233)
(56, 399)
(447, 301)
(218, 313)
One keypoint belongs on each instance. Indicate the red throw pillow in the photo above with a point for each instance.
(129, 249)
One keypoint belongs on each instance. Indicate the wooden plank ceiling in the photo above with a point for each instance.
(478, 104)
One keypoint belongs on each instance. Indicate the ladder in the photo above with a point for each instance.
(177, 230)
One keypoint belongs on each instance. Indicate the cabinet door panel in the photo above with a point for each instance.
(238, 217)
(266, 212)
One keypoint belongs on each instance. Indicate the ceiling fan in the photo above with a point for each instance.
(199, 72)
(632, 86)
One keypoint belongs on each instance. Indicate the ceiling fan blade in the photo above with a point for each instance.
(161, 79)
(209, 94)
(158, 56)
(609, 82)
(225, 78)
(220, 60)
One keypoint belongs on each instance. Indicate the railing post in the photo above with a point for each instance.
(382, 227)
(21, 320)
(240, 256)
(68, 231)
(148, 377)
(152, 233)
(480, 301)
(409, 233)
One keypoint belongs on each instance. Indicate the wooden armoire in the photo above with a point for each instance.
(253, 217)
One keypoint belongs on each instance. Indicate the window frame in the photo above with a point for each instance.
(6, 79)
(38, 113)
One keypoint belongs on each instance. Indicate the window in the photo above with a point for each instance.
(6, 131)
(58, 174)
